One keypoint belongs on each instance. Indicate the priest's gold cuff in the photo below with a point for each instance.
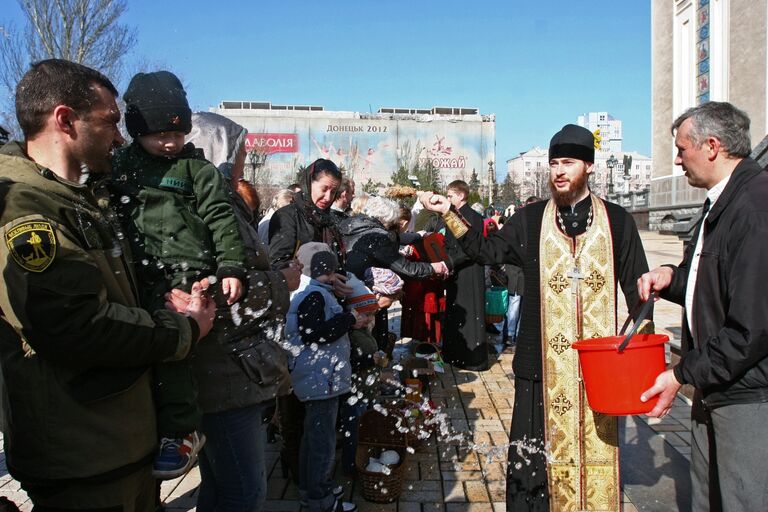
(455, 223)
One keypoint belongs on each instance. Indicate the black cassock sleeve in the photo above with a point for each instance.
(508, 245)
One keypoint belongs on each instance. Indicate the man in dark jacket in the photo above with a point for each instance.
(464, 336)
(725, 329)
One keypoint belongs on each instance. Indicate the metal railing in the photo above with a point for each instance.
(631, 201)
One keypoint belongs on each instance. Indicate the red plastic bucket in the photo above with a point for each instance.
(615, 380)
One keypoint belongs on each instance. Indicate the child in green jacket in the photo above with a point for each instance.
(176, 208)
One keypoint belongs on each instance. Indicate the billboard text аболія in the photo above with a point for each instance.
(269, 143)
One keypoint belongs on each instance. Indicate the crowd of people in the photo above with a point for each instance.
(153, 315)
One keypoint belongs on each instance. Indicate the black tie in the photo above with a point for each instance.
(704, 210)
(699, 232)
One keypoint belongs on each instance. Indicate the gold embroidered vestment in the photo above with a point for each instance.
(578, 300)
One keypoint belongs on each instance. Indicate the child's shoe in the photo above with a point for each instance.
(177, 456)
(344, 506)
(338, 493)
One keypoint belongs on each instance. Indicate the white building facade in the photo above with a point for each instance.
(702, 50)
(530, 173)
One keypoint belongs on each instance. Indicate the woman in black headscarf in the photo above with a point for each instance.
(307, 219)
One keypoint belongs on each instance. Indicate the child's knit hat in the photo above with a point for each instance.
(318, 259)
(383, 281)
(361, 299)
(156, 102)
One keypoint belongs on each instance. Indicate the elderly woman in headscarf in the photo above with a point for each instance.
(307, 219)
(240, 368)
(371, 239)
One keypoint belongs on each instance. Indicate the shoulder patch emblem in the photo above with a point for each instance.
(32, 244)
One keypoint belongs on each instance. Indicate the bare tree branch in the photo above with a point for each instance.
(84, 31)
(12, 63)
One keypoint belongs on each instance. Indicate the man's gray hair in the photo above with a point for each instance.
(382, 209)
(722, 121)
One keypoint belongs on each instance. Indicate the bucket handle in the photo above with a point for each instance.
(645, 308)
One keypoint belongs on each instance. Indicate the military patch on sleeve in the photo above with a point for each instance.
(32, 244)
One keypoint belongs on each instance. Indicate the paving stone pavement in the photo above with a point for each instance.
(450, 477)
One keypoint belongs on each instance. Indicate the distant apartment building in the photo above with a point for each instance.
(702, 50)
(369, 146)
(610, 132)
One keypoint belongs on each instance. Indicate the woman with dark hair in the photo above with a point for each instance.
(404, 221)
(307, 219)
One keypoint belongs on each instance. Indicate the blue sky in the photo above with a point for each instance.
(536, 65)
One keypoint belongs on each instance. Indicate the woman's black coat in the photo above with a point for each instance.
(369, 244)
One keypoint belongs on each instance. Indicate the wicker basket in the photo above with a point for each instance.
(418, 430)
(415, 367)
(376, 433)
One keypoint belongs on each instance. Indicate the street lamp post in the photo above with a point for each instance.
(611, 163)
(256, 159)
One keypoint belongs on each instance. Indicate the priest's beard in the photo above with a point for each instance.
(576, 190)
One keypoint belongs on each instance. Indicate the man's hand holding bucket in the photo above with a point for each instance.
(666, 385)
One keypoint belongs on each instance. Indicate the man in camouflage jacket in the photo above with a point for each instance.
(75, 348)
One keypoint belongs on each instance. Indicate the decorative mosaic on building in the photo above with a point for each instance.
(702, 53)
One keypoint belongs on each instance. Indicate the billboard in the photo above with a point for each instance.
(270, 143)
(369, 146)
